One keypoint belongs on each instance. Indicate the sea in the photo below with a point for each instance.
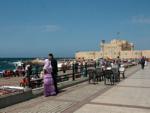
(8, 63)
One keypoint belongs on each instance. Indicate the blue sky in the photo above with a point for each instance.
(33, 28)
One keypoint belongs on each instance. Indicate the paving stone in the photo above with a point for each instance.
(48, 107)
(90, 108)
(126, 96)
(83, 93)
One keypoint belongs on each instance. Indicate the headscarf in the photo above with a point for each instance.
(47, 66)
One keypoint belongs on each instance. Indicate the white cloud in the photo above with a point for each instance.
(30, 28)
(141, 19)
(50, 28)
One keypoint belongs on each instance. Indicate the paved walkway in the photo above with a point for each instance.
(130, 96)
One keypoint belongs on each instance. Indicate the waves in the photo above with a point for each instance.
(8, 63)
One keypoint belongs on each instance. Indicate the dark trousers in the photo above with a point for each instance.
(142, 65)
(55, 83)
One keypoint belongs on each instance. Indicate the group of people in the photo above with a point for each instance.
(50, 71)
(49, 75)
(110, 63)
(30, 72)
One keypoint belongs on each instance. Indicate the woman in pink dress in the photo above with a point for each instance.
(49, 88)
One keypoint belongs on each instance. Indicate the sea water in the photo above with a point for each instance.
(8, 63)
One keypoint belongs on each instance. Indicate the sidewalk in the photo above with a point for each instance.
(89, 98)
(130, 96)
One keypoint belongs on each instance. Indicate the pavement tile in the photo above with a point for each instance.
(90, 108)
(83, 93)
(46, 107)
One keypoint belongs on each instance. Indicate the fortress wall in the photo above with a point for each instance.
(146, 53)
(88, 55)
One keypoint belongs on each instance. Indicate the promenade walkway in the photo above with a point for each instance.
(129, 96)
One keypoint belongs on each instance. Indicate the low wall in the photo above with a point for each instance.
(12, 99)
(15, 98)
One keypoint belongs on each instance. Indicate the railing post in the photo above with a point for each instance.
(73, 72)
(95, 64)
(85, 69)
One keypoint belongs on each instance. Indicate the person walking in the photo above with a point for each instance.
(142, 62)
(49, 88)
(118, 60)
(54, 70)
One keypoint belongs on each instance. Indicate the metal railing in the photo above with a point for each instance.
(70, 74)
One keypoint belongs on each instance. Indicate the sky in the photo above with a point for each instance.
(34, 28)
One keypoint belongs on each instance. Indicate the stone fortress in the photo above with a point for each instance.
(112, 50)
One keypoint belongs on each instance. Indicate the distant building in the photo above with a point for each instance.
(115, 48)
